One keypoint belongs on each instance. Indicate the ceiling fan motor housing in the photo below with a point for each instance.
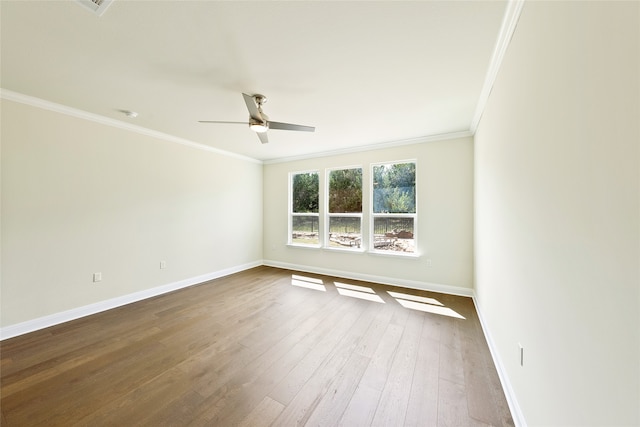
(260, 99)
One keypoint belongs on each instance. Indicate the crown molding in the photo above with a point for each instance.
(508, 27)
(370, 147)
(84, 115)
(74, 112)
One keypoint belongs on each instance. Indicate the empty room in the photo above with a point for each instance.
(331, 213)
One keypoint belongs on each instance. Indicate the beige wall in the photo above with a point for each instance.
(557, 213)
(444, 196)
(80, 197)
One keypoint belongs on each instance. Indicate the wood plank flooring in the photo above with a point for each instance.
(265, 347)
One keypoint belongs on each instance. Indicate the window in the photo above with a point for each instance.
(344, 208)
(394, 207)
(304, 215)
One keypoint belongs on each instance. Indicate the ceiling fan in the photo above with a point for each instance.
(259, 122)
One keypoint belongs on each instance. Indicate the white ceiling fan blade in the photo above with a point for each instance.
(263, 137)
(228, 123)
(289, 126)
(252, 107)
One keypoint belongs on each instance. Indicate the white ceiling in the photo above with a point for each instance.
(361, 72)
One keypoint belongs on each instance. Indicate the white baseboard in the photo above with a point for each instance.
(87, 310)
(516, 412)
(411, 284)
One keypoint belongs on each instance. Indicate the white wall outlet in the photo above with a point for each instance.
(97, 277)
(521, 354)
(163, 264)
(429, 262)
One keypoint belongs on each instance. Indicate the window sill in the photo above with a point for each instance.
(410, 255)
(351, 251)
(294, 245)
(357, 251)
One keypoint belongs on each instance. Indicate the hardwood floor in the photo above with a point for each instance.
(263, 347)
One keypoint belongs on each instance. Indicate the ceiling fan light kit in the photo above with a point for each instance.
(257, 126)
(259, 121)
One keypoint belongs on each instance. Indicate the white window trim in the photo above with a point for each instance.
(291, 214)
(372, 215)
(328, 215)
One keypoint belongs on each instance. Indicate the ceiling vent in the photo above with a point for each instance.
(97, 6)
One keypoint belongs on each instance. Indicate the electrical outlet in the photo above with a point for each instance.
(429, 262)
(163, 264)
(97, 277)
(521, 354)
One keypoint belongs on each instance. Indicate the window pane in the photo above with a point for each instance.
(394, 188)
(345, 232)
(345, 191)
(305, 193)
(393, 234)
(304, 229)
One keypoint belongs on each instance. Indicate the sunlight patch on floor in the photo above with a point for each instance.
(307, 282)
(428, 308)
(412, 302)
(307, 279)
(354, 287)
(361, 295)
(409, 297)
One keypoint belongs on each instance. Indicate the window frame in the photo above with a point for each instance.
(373, 215)
(292, 214)
(328, 215)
